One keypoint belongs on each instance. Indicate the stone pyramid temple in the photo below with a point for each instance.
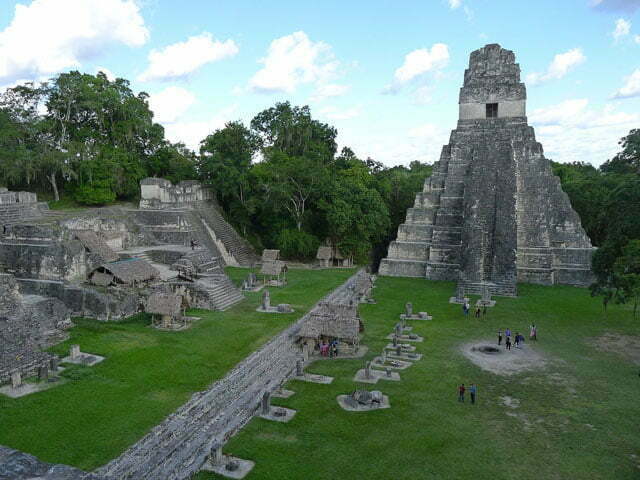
(493, 213)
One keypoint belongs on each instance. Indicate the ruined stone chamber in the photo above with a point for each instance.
(493, 213)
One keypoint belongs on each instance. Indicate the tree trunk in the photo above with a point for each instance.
(54, 185)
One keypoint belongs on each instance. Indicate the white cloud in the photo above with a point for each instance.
(183, 58)
(293, 60)
(329, 90)
(572, 131)
(170, 104)
(561, 64)
(48, 36)
(623, 27)
(192, 132)
(453, 4)
(631, 87)
(421, 61)
(334, 113)
(110, 75)
(636, 39)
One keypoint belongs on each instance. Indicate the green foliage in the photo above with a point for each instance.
(94, 195)
(95, 135)
(297, 244)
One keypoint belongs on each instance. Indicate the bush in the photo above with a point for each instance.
(94, 195)
(297, 244)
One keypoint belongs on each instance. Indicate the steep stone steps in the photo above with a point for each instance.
(237, 246)
(222, 292)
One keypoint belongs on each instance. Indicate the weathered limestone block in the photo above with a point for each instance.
(492, 213)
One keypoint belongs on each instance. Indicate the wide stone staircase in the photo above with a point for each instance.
(223, 294)
(235, 244)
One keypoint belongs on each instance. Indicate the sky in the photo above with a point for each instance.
(385, 73)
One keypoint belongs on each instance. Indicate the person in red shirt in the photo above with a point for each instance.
(461, 391)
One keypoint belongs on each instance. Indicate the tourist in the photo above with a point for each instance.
(461, 390)
(533, 332)
(507, 342)
(466, 308)
(499, 337)
(484, 310)
(517, 340)
(478, 312)
(507, 332)
(193, 244)
(472, 390)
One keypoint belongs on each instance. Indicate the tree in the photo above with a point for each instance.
(628, 160)
(627, 274)
(225, 161)
(356, 214)
(291, 130)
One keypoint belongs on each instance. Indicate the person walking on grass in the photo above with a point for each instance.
(516, 340)
(507, 343)
(499, 336)
(472, 391)
(484, 310)
(478, 312)
(507, 332)
(465, 308)
(533, 332)
(461, 390)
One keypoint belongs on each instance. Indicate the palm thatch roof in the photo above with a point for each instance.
(270, 255)
(162, 303)
(128, 271)
(94, 244)
(273, 268)
(324, 253)
(101, 279)
(332, 320)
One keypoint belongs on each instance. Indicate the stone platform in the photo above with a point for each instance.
(343, 401)
(361, 376)
(314, 378)
(244, 467)
(406, 338)
(287, 414)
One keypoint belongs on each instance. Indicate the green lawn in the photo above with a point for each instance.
(102, 410)
(578, 417)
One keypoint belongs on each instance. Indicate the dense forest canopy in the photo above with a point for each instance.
(280, 180)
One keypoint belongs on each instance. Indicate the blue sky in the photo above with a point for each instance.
(385, 74)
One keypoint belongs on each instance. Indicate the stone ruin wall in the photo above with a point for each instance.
(19, 205)
(42, 251)
(26, 327)
(178, 447)
(158, 193)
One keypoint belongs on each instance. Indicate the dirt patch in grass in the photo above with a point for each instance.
(627, 346)
(500, 361)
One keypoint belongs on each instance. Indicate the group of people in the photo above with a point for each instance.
(518, 340)
(473, 391)
(328, 349)
(466, 308)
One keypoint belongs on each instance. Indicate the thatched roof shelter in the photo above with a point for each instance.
(334, 321)
(273, 268)
(270, 255)
(129, 272)
(324, 253)
(162, 303)
(94, 244)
